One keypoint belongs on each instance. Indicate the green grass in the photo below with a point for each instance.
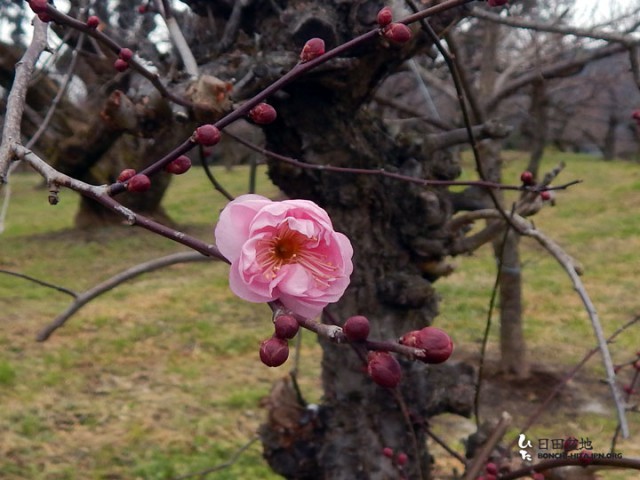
(160, 377)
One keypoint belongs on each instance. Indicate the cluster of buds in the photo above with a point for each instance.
(275, 350)
(383, 367)
(528, 180)
(395, 32)
(136, 182)
(399, 459)
(124, 58)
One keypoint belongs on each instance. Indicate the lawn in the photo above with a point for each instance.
(161, 377)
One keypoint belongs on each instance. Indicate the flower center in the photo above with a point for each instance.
(287, 246)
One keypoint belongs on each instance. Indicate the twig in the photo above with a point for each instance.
(412, 432)
(444, 445)
(40, 282)
(384, 173)
(101, 195)
(563, 383)
(17, 97)
(566, 462)
(214, 181)
(487, 329)
(177, 38)
(234, 458)
(573, 270)
(481, 458)
(519, 22)
(103, 287)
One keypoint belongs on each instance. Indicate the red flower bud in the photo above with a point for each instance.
(628, 389)
(385, 17)
(38, 6)
(356, 328)
(263, 114)
(120, 65)
(139, 183)
(178, 166)
(126, 54)
(402, 459)
(526, 178)
(142, 9)
(435, 342)
(387, 452)
(93, 22)
(286, 326)
(497, 3)
(44, 17)
(384, 369)
(312, 49)
(207, 135)
(126, 174)
(274, 352)
(491, 468)
(571, 443)
(545, 195)
(635, 114)
(397, 32)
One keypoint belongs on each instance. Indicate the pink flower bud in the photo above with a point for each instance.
(207, 135)
(384, 369)
(387, 452)
(286, 326)
(139, 183)
(385, 17)
(120, 65)
(356, 328)
(126, 174)
(38, 6)
(142, 9)
(126, 54)
(635, 114)
(93, 22)
(435, 342)
(402, 459)
(312, 49)
(178, 166)
(545, 195)
(263, 114)
(274, 352)
(526, 178)
(397, 32)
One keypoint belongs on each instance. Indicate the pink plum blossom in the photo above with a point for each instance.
(285, 251)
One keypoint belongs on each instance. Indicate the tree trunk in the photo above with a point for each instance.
(322, 122)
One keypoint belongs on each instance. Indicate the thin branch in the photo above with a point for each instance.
(101, 195)
(563, 383)
(397, 176)
(444, 445)
(481, 458)
(40, 282)
(214, 181)
(487, 329)
(573, 270)
(234, 458)
(623, 463)
(63, 89)
(17, 97)
(118, 279)
(177, 38)
(520, 22)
